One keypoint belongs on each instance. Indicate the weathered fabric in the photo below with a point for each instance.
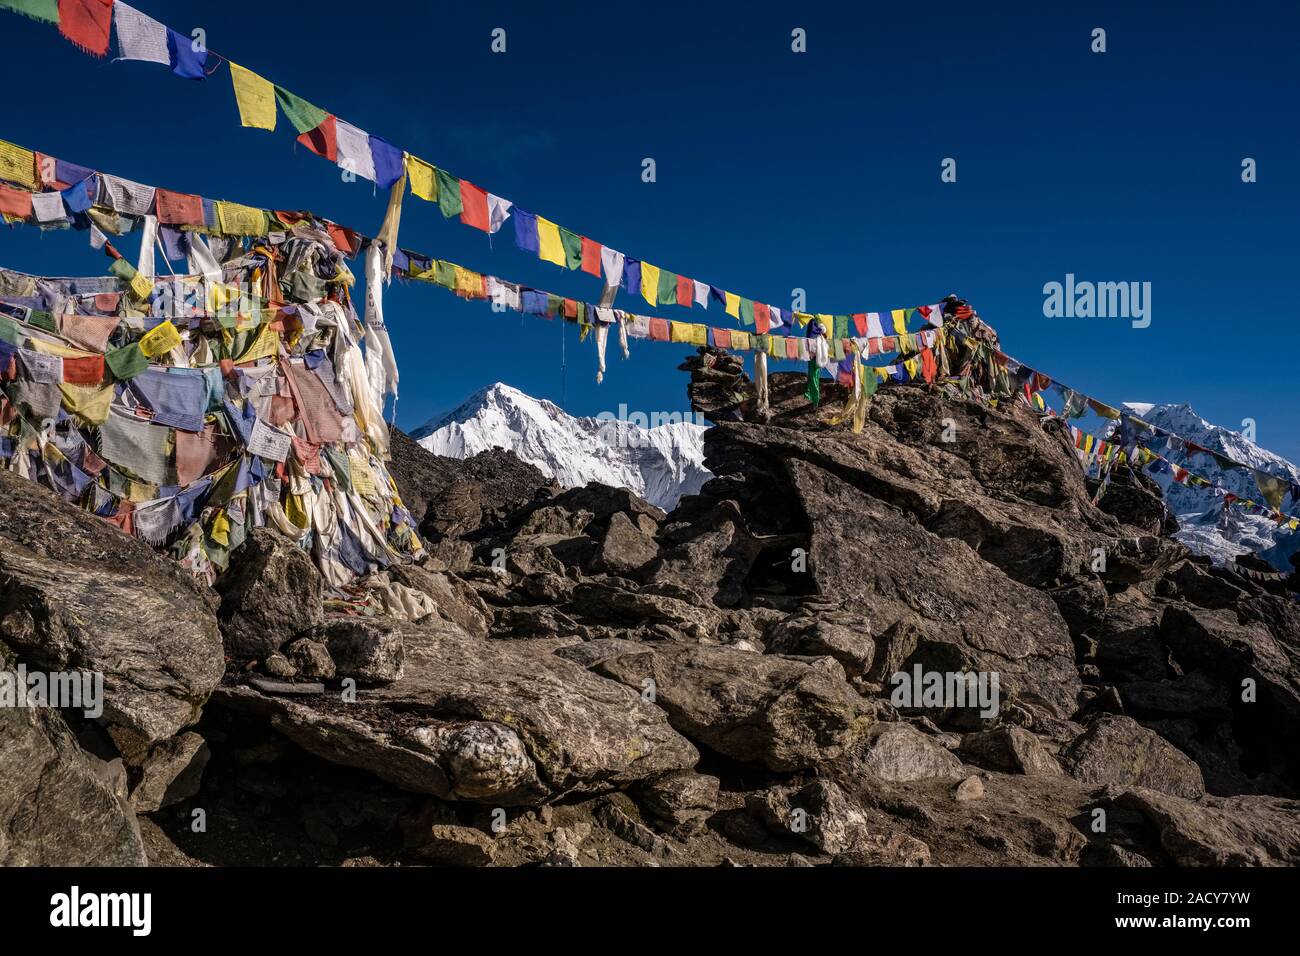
(236, 220)
(48, 207)
(135, 445)
(139, 36)
(125, 196)
(255, 97)
(177, 396)
(43, 11)
(86, 24)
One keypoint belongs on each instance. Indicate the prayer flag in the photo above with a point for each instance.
(43, 11)
(161, 339)
(15, 202)
(323, 140)
(178, 209)
(548, 241)
(746, 311)
(650, 283)
(86, 23)
(572, 243)
(254, 96)
(387, 160)
(474, 205)
(525, 231)
(186, 61)
(17, 165)
(667, 287)
(449, 201)
(900, 321)
(301, 114)
(140, 36)
(590, 257)
(353, 150)
(733, 304)
(685, 291)
(421, 177)
(762, 318)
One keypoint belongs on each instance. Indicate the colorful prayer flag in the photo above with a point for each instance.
(420, 175)
(449, 201)
(254, 96)
(650, 283)
(323, 140)
(548, 242)
(474, 205)
(591, 256)
(86, 24)
(139, 36)
(572, 243)
(301, 114)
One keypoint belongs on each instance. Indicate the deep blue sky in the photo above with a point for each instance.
(775, 170)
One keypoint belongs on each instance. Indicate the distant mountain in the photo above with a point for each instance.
(1206, 528)
(660, 463)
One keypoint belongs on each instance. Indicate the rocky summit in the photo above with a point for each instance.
(926, 643)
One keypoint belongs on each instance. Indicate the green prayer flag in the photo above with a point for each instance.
(572, 243)
(46, 11)
(449, 194)
(837, 348)
(747, 311)
(10, 331)
(122, 269)
(814, 390)
(554, 304)
(445, 274)
(841, 330)
(127, 362)
(667, 287)
(301, 114)
(867, 376)
(42, 320)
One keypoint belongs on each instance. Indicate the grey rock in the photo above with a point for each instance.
(372, 650)
(899, 753)
(1119, 751)
(270, 595)
(1009, 748)
(310, 658)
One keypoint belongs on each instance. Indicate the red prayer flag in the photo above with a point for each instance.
(179, 209)
(324, 139)
(659, 330)
(345, 240)
(791, 347)
(590, 256)
(84, 371)
(722, 338)
(15, 202)
(86, 23)
(571, 309)
(860, 323)
(762, 318)
(474, 205)
(685, 291)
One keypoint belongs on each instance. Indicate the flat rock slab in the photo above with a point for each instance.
(502, 722)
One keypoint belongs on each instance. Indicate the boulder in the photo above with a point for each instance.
(78, 595)
(56, 808)
(504, 723)
(624, 547)
(899, 753)
(1009, 748)
(1118, 750)
(843, 635)
(270, 595)
(370, 649)
(679, 801)
(172, 771)
(310, 659)
(787, 715)
(1221, 831)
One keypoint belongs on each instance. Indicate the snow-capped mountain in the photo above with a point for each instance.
(661, 462)
(1206, 528)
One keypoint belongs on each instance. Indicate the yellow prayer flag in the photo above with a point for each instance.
(17, 165)
(142, 286)
(236, 220)
(266, 345)
(803, 318)
(733, 304)
(88, 402)
(681, 331)
(650, 284)
(421, 178)
(699, 334)
(740, 341)
(911, 366)
(548, 240)
(900, 321)
(160, 340)
(220, 530)
(56, 348)
(363, 479)
(255, 97)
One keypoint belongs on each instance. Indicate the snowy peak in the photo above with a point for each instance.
(661, 459)
(1206, 527)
